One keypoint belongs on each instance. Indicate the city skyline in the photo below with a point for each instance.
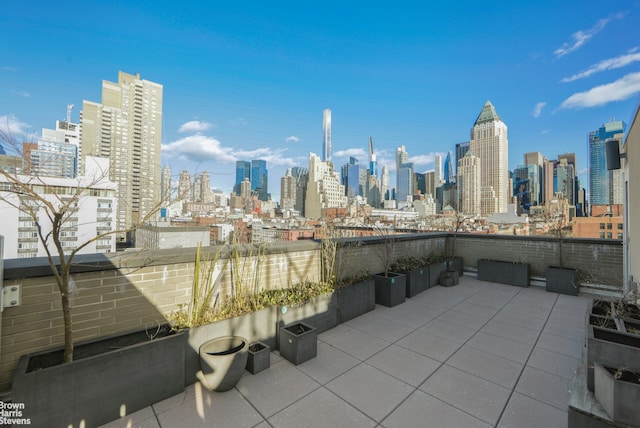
(242, 85)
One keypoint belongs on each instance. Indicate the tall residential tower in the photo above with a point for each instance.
(326, 137)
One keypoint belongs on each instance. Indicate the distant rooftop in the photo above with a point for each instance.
(488, 114)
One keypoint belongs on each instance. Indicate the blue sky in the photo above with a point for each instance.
(248, 80)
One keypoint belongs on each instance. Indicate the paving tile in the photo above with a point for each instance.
(424, 309)
(335, 331)
(471, 308)
(478, 397)
(144, 418)
(487, 366)
(561, 345)
(490, 301)
(403, 364)
(423, 410)
(526, 309)
(329, 364)
(546, 387)
(474, 321)
(558, 317)
(429, 345)
(519, 320)
(525, 412)
(213, 409)
(496, 345)
(385, 329)
(552, 362)
(358, 344)
(510, 331)
(320, 409)
(448, 330)
(274, 389)
(563, 330)
(406, 317)
(370, 390)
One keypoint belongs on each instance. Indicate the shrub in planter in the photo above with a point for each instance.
(416, 272)
(259, 357)
(355, 296)
(390, 289)
(618, 391)
(436, 264)
(109, 378)
(298, 342)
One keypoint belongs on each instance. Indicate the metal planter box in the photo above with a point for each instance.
(298, 342)
(101, 387)
(355, 300)
(562, 280)
(618, 396)
(504, 272)
(259, 357)
(390, 290)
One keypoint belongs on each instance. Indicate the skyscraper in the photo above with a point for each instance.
(243, 170)
(326, 135)
(605, 186)
(323, 188)
(184, 186)
(405, 177)
(437, 166)
(127, 128)
(351, 178)
(461, 150)
(449, 175)
(288, 192)
(373, 164)
(489, 142)
(260, 179)
(165, 183)
(468, 181)
(384, 183)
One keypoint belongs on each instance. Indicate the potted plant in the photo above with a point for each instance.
(298, 342)
(259, 357)
(455, 263)
(560, 279)
(390, 286)
(618, 391)
(355, 296)
(437, 264)
(416, 272)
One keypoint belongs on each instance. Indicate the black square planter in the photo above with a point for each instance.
(417, 280)
(298, 342)
(449, 278)
(259, 357)
(509, 273)
(435, 269)
(390, 290)
(562, 280)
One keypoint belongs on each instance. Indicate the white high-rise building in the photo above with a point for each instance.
(326, 138)
(468, 181)
(438, 169)
(288, 192)
(127, 128)
(323, 188)
(489, 142)
(384, 182)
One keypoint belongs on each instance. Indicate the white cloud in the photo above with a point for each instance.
(292, 139)
(10, 124)
(355, 152)
(545, 131)
(21, 94)
(201, 147)
(537, 110)
(195, 126)
(619, 90)
(581, 37)
(9, 68)
(606, 64)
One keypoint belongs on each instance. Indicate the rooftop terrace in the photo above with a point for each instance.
(478, 354)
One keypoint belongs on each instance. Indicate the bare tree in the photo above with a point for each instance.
(52, 210)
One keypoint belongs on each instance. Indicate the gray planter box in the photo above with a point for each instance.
(390, 290)
(97, 388)
(562, 280)
(259, 357)
(456, 263)
(618, 397)
(417, 280)
(449, 278)
(298, 342)
(434, 272)
(321, 312)
(355, 300)
(504, 272)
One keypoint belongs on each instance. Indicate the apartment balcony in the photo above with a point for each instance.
(476, 354)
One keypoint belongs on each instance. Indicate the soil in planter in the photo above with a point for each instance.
(601, 321)
(80, 351)
(624, 375)
(602, 308)
(298, 329)
(627, 310)
(256, 347)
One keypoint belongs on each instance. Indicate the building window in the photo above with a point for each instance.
(601, 226)
(609, 226)
(620, 236)
(601, 235)
(609, 235)
(619, 226)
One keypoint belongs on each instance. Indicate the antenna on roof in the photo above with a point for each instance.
(69, 108)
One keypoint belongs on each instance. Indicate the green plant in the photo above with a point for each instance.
(406, 264)
(353, 279)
